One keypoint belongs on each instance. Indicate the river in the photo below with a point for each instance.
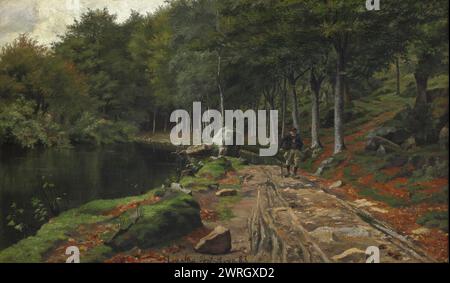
(76, 176)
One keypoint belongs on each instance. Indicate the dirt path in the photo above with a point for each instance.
(288, 220)
(294, 220)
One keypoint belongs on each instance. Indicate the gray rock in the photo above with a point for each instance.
(323, 234)
(213, 187)
(336, 185)
(374, 144)
(350, 232)
(179, 188)
(396, 135)
(409, 144)
(324, 165)
(216, 242)
(381, 151)
(199, 150)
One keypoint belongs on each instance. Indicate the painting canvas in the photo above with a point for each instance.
(223, 131)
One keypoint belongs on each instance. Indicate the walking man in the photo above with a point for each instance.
(292, 144)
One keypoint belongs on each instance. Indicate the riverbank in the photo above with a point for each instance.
(38, 184)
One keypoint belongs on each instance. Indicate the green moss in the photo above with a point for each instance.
(236, 163)
(196, 183)
(435, 219)
(101, 206)
(225, 205)
(418, 197)
(97, 254)
(380, 177)
(307, 165)
(161, 223)
(33, 249)
(389, 200)
(348, 175)
(215, 169)
(163, 218)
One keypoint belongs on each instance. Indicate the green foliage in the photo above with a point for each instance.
(19, 125)
(435, 219)
(90, 129)
(389, 200)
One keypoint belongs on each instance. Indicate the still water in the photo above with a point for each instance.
(78, 175)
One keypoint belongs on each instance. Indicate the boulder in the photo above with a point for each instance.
(373, 143)
(199, 150)
(394, 134)
(409, 144)
(155, 224)
(179, 188)
(336, 185)
(381, 151)
(226, 193)
(216, 242)
(327, 163)
(213, 187)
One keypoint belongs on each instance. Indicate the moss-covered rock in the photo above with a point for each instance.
(173, 216)
(160, 223)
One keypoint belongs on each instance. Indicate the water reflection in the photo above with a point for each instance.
(79, 174)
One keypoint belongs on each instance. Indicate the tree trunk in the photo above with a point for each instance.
(315, 121)
(165, 123)
(339, 144)
(283, 109)
(315, 114)
(422, 85)
(219, 84)
(397, 69)
(295, 110)
(154, 122)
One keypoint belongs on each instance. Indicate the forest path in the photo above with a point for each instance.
(296, 220)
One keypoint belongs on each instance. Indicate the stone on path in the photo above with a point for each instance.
(336, 185)
(216, 242)
(349, 253)
(226, 193)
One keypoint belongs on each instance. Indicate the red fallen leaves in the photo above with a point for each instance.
(133, 205)
(208, 215)
(194, 237)
(147, 256)
(231, 178)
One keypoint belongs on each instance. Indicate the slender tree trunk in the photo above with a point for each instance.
(295, 111)
(166, 118)
(219, 84)
(283, 109)
(315, 114)
(315, 121)
(397, 68)
(339, 144)
(422, 85)
(154, 122)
